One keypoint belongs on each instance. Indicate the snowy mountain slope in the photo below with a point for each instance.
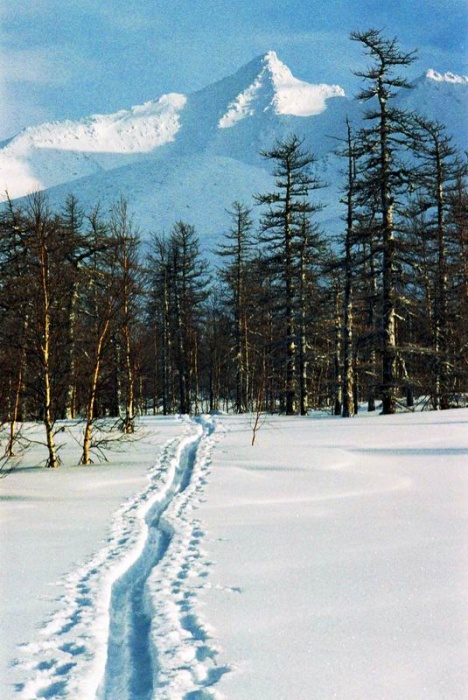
(195, 189)
(50, 154)
(441, 97)
(53, 153)
(244, 113)
(189, 157)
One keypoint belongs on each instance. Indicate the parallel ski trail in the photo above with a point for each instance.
(185, 655)
(129, 627)
(129, 669)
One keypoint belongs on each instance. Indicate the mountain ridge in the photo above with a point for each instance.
(216, 134)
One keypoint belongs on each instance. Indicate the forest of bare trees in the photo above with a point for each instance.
(98, 320)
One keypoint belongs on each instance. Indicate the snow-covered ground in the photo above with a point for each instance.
(330, 560)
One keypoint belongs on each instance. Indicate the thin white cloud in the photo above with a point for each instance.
(52, 66)
(28, 66)
(134, 21)
(18, 112)
(443, 61)
(42, 68)
(12, 9)
(28, 9)
(117, 15)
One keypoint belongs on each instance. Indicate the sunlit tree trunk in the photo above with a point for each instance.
(337, 364)
(92, 393)
(348, 373)
(40, 220)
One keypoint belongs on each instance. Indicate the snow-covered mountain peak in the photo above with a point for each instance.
(275, 88)
(278, 70)
(432, 74)
(267, 67)
(440, 97)
(201, 151)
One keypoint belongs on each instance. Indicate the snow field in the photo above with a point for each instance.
(69, 660)
(328, 561)
(345, 542)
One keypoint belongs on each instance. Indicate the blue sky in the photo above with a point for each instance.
(70, 58)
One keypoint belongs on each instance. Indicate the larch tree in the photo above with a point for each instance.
(349, 408)
(102, 302)
(43, 241)
(282, 224)
(237, 252)
(437, 177)
(178, 287)
(76, 250)
(158, 313)
(385, 175)
(189, 283)
(129, 275)
(15, 314)
(458, 220)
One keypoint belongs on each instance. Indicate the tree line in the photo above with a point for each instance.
(95, 323)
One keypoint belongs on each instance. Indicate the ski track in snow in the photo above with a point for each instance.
(129, 625)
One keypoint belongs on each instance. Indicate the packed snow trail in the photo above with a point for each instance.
(129, 627)
(129, 669)
(134, 660)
